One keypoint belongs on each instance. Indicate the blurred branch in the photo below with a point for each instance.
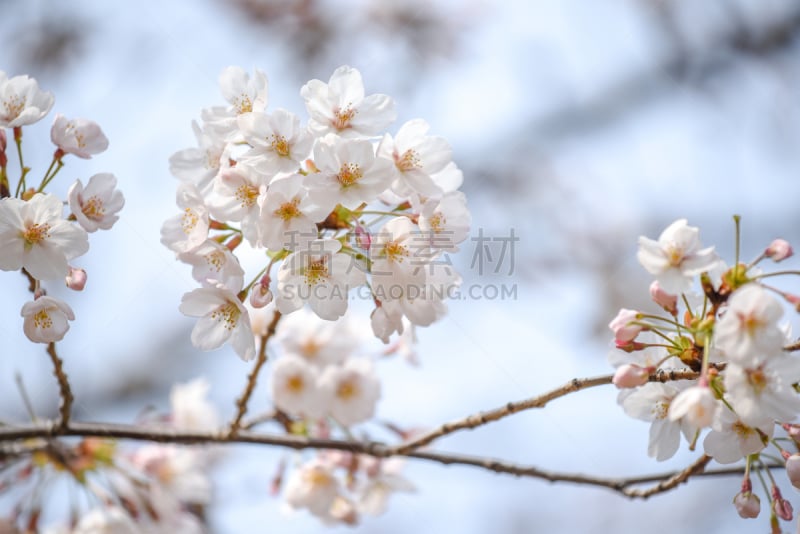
(624, 486)
(540, 401)
(64, 390)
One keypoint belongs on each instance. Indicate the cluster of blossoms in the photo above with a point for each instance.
(152, 488)
(730, 344)
(318, 380)
(35, 235)
(334, 204)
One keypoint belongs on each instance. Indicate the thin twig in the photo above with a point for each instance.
(65, 392)
(540, 401)
(241, 402)
(623, 486)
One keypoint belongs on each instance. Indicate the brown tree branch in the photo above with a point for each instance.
(664, 482)
(241, 402)
(65, 392)
(540, 401)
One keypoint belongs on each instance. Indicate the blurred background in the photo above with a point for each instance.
(579, 125)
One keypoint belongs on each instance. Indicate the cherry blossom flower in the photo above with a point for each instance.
(34, 236)
(313, 486)
(352, 390)
(177, 469)
(75, 279)
(80, 137)
(384, 479)
(96, 207)
(214, 264)
(189, 229)
(244, 95)
(340, 106)
(349, 173)
(386, 319)
(748, 332)
(222, 318)
(416, 156)
(676, 257)
(696, 404)
(764, 391)
(319, 342)
(21, 101)
(279, 144)
(446, 221)
(294, 388)
(190, 408)
(731, 439)
(45, 319)
(651, 403)
(288, 217)
(236, 196)
(199, 165)
(747, 504)
(399, 255)
(321, 276)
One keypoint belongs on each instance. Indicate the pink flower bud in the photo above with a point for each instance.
(3, 158)
(779, 250)
(363, 239)
(630, 376)
(622, 327)
(76, 279)
(793, 431)
(260, 295)
(793, 469)
(781, 506)
(630, 346)
(662, 298)
(747, 504)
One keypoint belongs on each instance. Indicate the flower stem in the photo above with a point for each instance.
(63, 386)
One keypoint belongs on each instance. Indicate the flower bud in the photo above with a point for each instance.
(779, 250)
(793, 469)
(363, 239)
(781, 506)
(76, 279)
(666, 300)
(622, 327)
(260, 295)
(747, 504)
(3, 141)
(630, 376)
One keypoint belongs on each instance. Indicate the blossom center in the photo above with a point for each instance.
(288, 210)
(408, 161)
(243, 104)
(35, 234)
(741, 430)
(437, 222)
(247, 194)
(93, 208)
(316, 271)
(295, 384)
(342, 117)
(346, 390)
(228, 314)
(310, 349)
(13, 106)
(42, 320)
(394, 251)
(349, 174)
(216, 260)
(674, 256)
(757, 379)
(280, 145)
(189, 220)
(660, 409)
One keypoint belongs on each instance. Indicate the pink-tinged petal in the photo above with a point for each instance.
(45, 262)
(346, 82)
(375, 113)
(242, 340)
(200, 302)
(71, 240)
(665, 438)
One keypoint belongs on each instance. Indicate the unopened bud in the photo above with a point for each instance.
(630, 376)
(76, 279)
(793, 469)
(363, 239)
(781, 506)
(779, 250)
(747, 504)
(666, 300)
(260, 295)
(623, 327)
